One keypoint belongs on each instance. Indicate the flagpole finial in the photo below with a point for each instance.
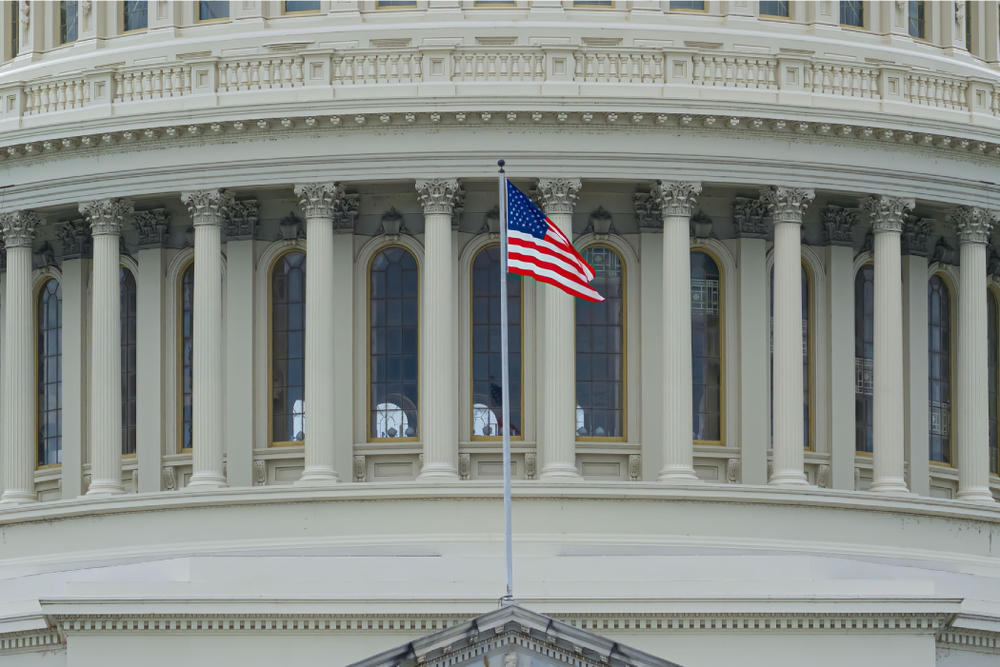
(501, 163)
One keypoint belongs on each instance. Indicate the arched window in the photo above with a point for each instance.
(392, 344)
(288, 348)
(806, 384)
(993, 337)
(600, 349)
(49, 377)
(487, 396)
(864, 354)
(187, 354)
(127, 293)
(706, 347)
(939, 365)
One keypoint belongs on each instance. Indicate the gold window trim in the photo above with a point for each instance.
(270, 350)
(721, 442)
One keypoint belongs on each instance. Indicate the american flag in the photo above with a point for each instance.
(536, 248)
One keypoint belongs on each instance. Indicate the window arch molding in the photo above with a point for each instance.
(529, 421)
(175, 271)
(39, 277)
(262, 354)
(730, 336)
(633, 387)
(951, 277)
(362, 264)
(816, 273)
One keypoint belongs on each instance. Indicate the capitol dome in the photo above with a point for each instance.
(249, 332)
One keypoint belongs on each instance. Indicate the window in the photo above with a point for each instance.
(301, 6)
(49, 374)
(389, 4)
(288, 348)
(706, 347)
(864, 355)
(392, 344)
(775, 9)
(993, 338)
(687, 5)
(852, 13)
(593, 3)
(494, 3)
(917, 19)
(68, 21)
(969, 8)
(600, 350)
(127, 293)
(487, 395)
(134, 15)
(14, 27)
(939, 365)
(213, 11)
(187, 354)
(806, 384)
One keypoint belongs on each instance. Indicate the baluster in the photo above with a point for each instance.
(297, 71)
(698, 73)
(418, 61)
(286, 73)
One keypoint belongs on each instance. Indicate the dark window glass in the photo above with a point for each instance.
(774, 9)
(593, 3)
(993, 336)
(209, 11)
(301, 6)
(68, 21)
(392, 329)
(864, 353)
(187, 354)
(852, 13)
(939, 363)
(49, 351)
(15, 29)
(917, 19)
(706, 347)
(600, 350)
(487, 396)
(134, 15)
(127, 293)
(687, 4)
(805, 356)
(288, 348)
(382, 4)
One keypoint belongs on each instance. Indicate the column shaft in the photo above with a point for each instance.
(915, 372)
(149, 366)
(18, 381)
(754, 427)
(840, 390)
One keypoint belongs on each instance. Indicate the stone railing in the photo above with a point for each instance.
(650, 73)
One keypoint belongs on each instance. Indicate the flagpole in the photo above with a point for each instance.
(507, 599)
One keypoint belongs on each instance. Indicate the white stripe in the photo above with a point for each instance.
(531, 252)
(569, 256)
(573, 286)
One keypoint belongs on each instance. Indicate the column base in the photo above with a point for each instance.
(437, 471)
(104, 488)
(890, 485)
(206, 481)
(560, 472)
(679, 475)
(318, 476)
(18, 498)
(975, 495)
(788, 478)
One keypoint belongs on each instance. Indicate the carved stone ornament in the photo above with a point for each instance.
(360, 468)
(943, 252)
(75, 238)
(959, 12)
(169, 478)
(770, 469)
(345, 213)
(439, 195)
(750, 216)
(45, 256)
(868, 245)
(290, 228)
(242, 219)
(19, 228)
(510, 659)
(207, 207)
(393, 224)
(152, 226)
(86, 482)
(260, 473)
(857, 479)
(464, 465)
(601, 223)
(25, 14)
(676, 198)
(3, 256)
(823, 476)
(558, 195)
(647, 212)
(887, 213)
(530, 465)
(318, 200)
(701, 225)
(787, 204)
(491, 221)
(974, 224)
(634, 467)
(916, 236)
(107, 216)
(732, 471)
(838, 225)
(993, 262)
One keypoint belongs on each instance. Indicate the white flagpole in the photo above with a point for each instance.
(507, 599)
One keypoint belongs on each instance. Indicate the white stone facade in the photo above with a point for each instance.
(791, 144)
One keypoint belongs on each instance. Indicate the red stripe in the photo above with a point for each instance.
(569, 280)
(588, 295)
(555, 267)
(530, 253)
(554, 249)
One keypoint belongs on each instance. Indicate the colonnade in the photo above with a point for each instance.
(439, 197)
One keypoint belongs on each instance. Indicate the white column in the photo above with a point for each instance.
(207, 210)
(558, 428)
(18, 398)
(887, 224)
(915, 356)
(840, 390)
(787, 206)
(676, 205)
(651, 333)
(241, 262)
(106, 218)
(438, 427)
(75, 334)
(754, 427)
(318, 202)
(973, 384)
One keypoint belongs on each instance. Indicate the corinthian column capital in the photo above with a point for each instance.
(887, 213)
(787, 204)
(319, 200)
(558, 195)
(440, 195)
(106, 216)
(677, 198)
(19, 228)
(207, 207)
(973, 223)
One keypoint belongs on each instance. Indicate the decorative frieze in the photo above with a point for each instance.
(169, 478)
(887, 213)
(260, 473)
(634, 467)
(787, 204)
(208, 207)
(916, 236)
(558, 195)
(838, 225)
(530, 465)
(107, 216)
(360, 468)
(676, 198)
(19, 228)
(464, 466)
(647, 212)
(733, 471)
(973, 224)
(750, 217)
(75, 239)
(152, 227)
(242, 219)
(823, 476)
